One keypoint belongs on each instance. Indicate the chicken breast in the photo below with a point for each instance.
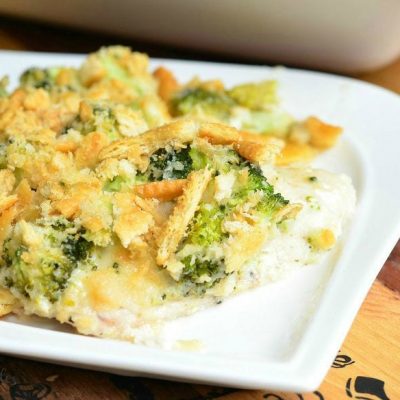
(129, 297)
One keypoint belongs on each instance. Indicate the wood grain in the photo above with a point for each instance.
(367, 366)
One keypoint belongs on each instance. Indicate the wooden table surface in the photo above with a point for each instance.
(367, 366)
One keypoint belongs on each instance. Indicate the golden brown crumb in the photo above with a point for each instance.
(183, 212)
(163, 190)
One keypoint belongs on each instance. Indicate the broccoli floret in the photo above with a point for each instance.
(61, 224)
(206, 229)
(206, 225)
(221, 104)
(204, 274)
(47, 79)
(169, 164)
(47, 277)
(269, 122)
(16, 145)
(115, 120)
(205, 267)
(249, 105)
(269, 203)
(202, 101)
(199, 159)
(256, 179)
(256, 96)
(123, 184)
(102, 119)
(201, 272)
(221, 159)
(43, 78)
(114, 185)
(42, 273)
(76, 247)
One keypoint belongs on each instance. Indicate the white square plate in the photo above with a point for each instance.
(283, 335)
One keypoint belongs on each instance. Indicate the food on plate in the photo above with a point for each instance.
(127, 200)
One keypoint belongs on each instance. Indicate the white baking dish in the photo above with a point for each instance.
(340, 35)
